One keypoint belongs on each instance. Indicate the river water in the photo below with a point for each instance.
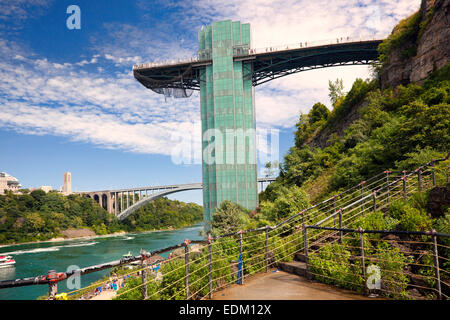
(37, 258)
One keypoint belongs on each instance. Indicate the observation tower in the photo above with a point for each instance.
(225, 71)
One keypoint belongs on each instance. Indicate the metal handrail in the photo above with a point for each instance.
(251, 51)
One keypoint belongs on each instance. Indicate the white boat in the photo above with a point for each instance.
(6, 261)
(129, 255)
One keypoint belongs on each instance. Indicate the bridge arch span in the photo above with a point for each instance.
(127, 212)
(124, 202)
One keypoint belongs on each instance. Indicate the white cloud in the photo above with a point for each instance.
(102, 129)
(112, 110)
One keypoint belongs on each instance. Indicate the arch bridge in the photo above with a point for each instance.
(123, 202)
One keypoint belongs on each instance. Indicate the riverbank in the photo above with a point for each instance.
(60, 239)
(72, 236)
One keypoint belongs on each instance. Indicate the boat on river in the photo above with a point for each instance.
(129, 255)
(7, 261)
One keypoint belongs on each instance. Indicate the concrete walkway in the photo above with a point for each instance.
(281, 285)
(105, 295)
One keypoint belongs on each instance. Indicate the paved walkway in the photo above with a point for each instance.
(105, 295)
(281, 285)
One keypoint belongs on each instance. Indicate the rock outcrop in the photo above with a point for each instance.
(438, 201)
(432, 47)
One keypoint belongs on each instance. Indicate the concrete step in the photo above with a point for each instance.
(294, 267)
(300, 257)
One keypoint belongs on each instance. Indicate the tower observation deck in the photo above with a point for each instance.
(225, 71)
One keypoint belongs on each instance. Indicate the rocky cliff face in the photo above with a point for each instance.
(432, 44)
(431, 52)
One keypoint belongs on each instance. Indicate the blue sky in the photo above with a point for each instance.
(69, 102)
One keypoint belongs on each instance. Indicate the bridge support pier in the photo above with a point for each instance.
(116, 203)
(109, 202)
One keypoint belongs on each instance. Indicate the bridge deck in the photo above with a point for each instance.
(265, 66)
(281, 285)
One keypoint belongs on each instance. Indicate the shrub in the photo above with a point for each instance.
(229, 217)
(289, 201)
(411, 213)
(414, 219)
(377, 221)
(331, 265)
(356, 95)
(418, 157)
(318, 112)
(392, 264)
(131, 290)
(396, 208)
(436, 96)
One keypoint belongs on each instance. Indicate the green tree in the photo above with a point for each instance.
(318, 112)
(336, 90)
(271, 167)
(229, 217)
(34, 221)
(288, 201)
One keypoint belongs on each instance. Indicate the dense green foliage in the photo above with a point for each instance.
(318, 112)
(163, 213)
(285, 202)
(331, 265)
(41, 216)
(397, 128)
(38, 216)
(229, 217)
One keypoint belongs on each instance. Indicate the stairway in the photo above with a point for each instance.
(298, 266)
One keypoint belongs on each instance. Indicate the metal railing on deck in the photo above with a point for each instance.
(232, 258)
(251, 51)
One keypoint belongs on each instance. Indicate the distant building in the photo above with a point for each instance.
(8, 183)
(67, 183)
(46, 188)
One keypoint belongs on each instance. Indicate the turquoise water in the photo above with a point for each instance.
(37, 259)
